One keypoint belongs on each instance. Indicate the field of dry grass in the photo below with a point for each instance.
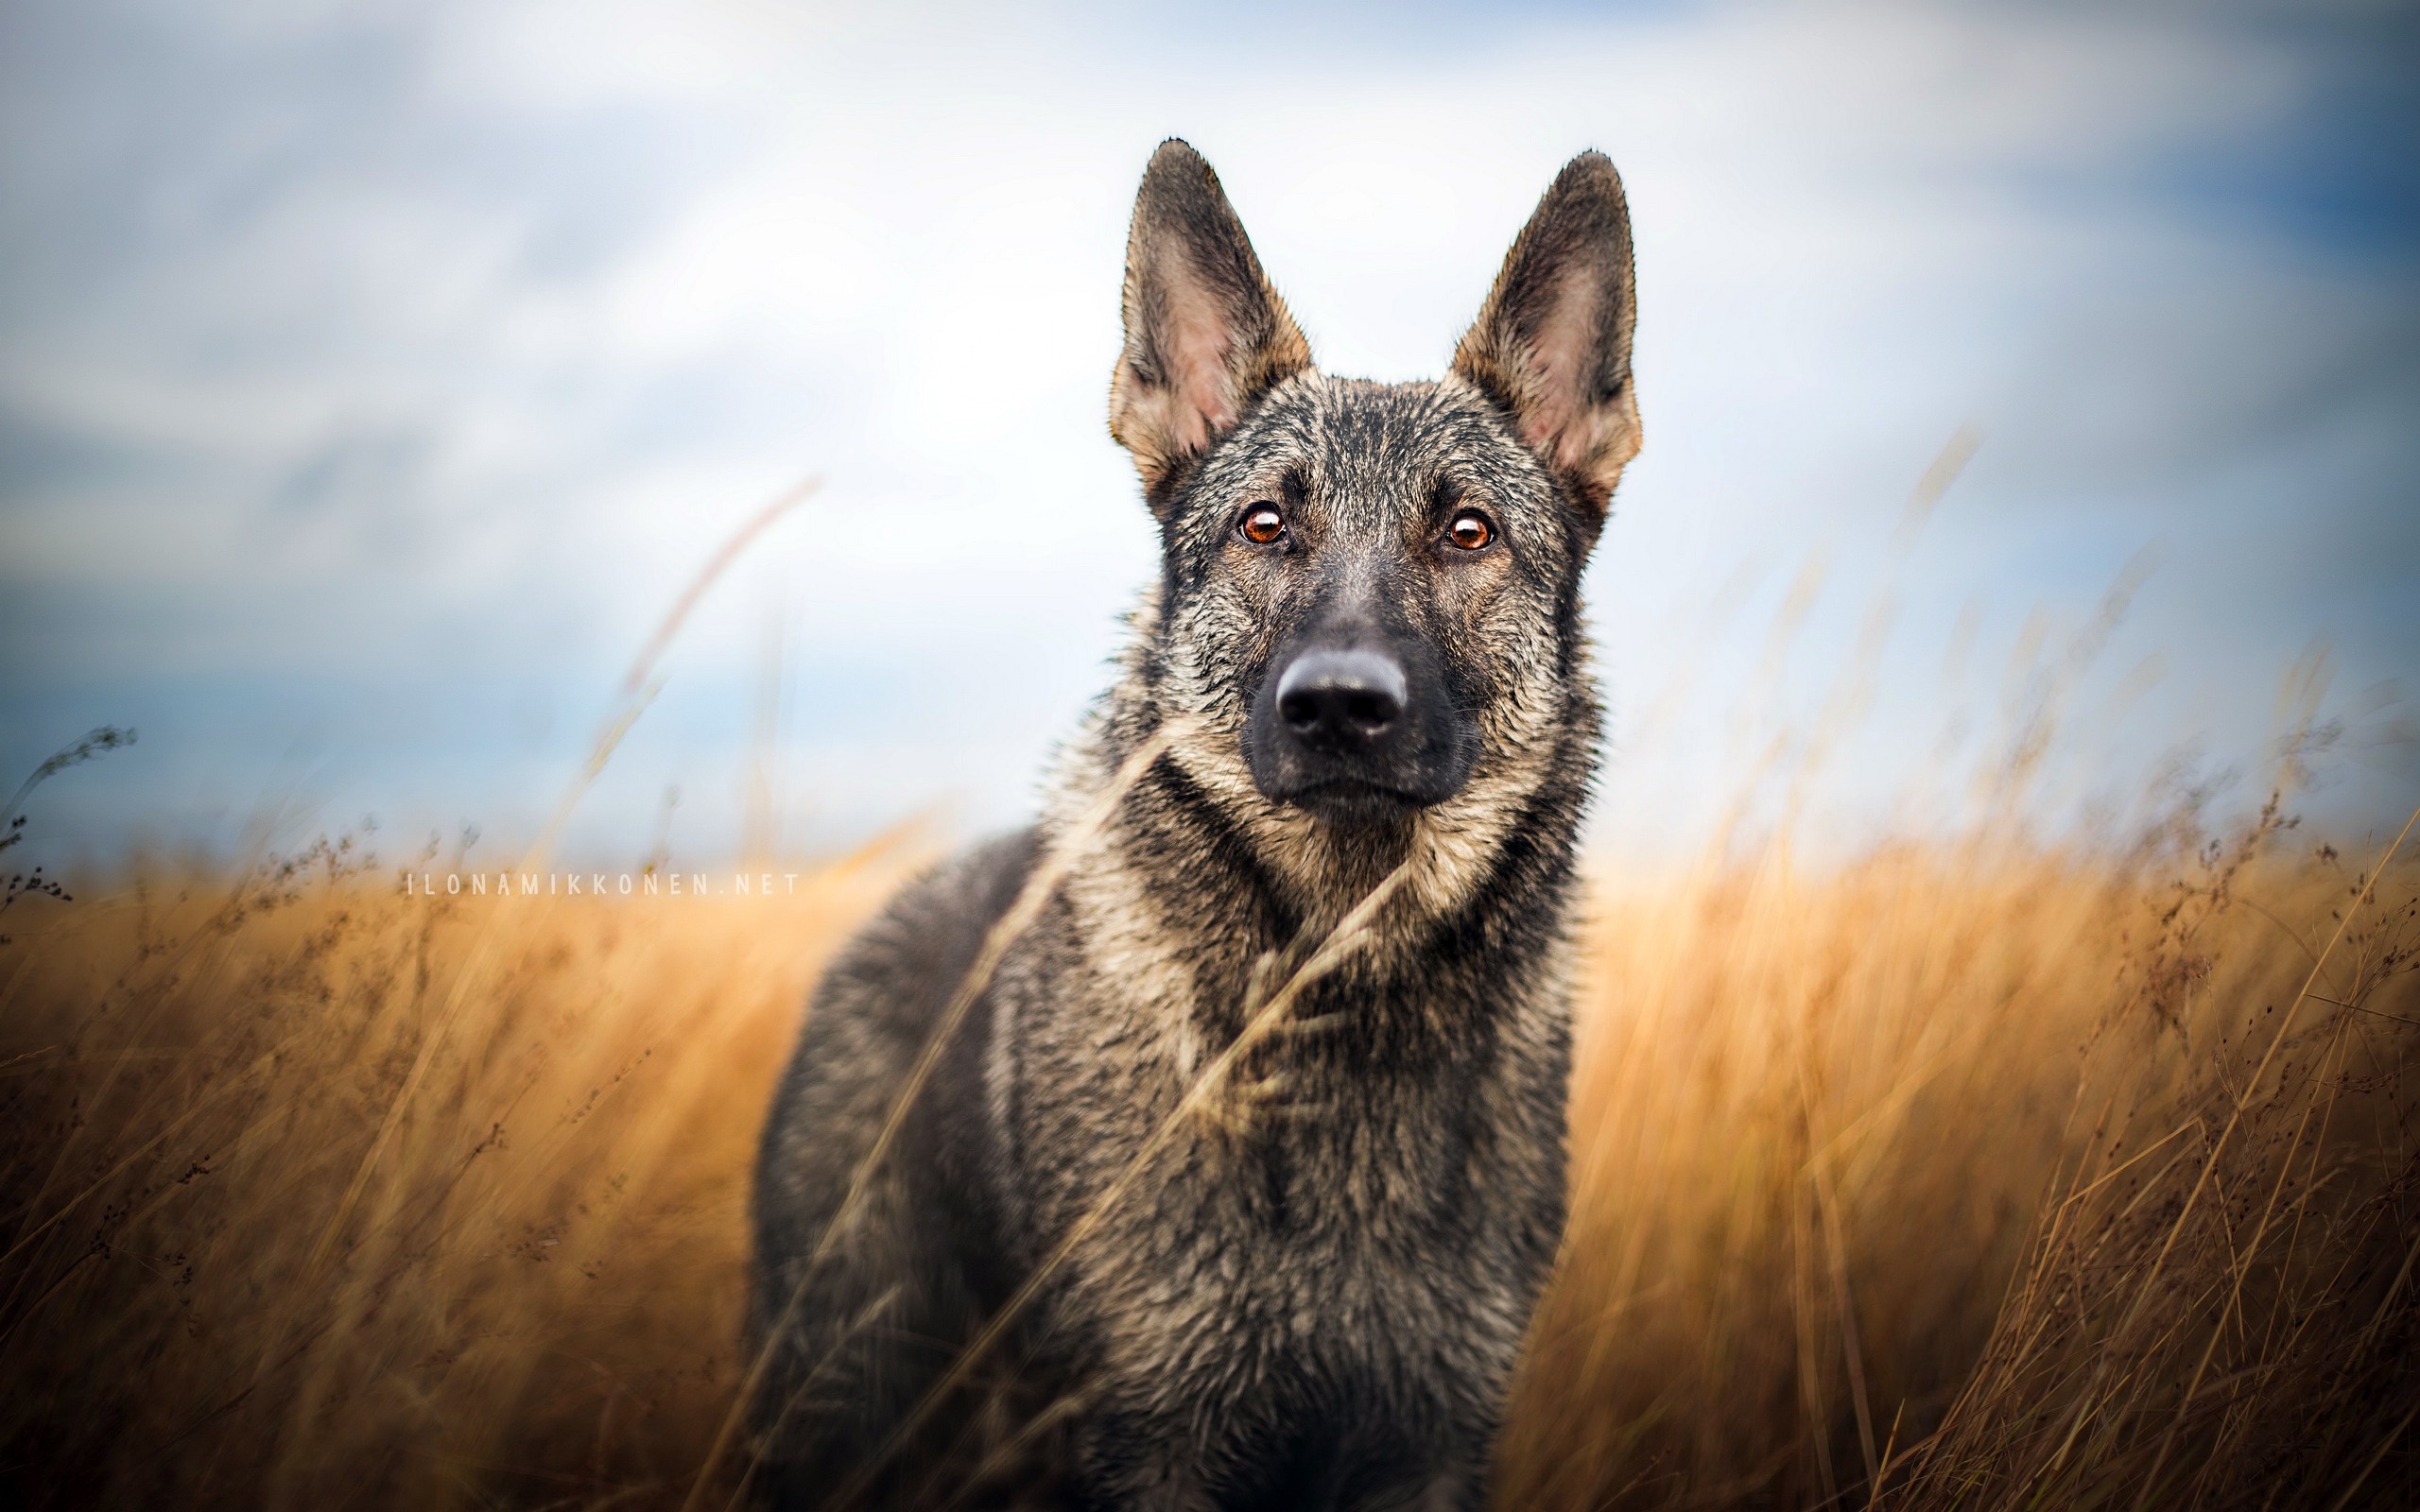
(1976, 1174)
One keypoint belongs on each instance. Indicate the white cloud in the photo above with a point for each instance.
(496, 316)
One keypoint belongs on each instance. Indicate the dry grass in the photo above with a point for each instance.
(2021, 1178)
(319, 1195)
(2025, 1177)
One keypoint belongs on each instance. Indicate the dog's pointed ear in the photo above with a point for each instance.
(1205, 334)
(1552, 342)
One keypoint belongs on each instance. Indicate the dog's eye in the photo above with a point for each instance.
(1470, 530)
(1262, 525)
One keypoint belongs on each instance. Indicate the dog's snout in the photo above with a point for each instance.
(1341, 702)
(1358, 727)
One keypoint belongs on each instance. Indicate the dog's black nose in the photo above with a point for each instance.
(1342, 703)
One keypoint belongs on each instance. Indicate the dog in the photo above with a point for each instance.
(1202, 1146)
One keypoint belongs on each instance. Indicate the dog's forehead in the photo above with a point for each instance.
(1367, 452)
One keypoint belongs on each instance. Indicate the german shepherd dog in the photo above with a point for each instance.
(1202, 1146)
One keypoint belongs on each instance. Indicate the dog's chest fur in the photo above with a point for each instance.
(1363, 1198)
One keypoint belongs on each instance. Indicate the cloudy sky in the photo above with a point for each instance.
(373, 378)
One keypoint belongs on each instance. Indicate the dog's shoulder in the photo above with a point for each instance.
(899, 973)
(874, 1010)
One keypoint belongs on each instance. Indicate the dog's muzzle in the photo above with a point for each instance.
(1358, 731)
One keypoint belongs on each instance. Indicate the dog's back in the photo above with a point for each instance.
(857, 1318)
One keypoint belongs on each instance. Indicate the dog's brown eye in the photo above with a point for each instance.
(1470, 530)
(1262, 525)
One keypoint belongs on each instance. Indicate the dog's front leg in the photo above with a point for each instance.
(1455, 1489)
(1135, 1462)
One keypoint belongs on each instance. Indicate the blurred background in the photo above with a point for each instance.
(374, 378)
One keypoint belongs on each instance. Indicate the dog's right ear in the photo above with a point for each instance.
(1205, 334)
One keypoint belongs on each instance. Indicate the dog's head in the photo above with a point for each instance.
(1371, 590)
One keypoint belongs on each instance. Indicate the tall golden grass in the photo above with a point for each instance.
(1979, 1174)
(1986, 1176)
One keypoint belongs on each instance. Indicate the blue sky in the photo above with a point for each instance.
(372, 377)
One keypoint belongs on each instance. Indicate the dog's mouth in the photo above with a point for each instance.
(1351, 804)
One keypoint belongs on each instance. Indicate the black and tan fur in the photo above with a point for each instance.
(1314, 1296)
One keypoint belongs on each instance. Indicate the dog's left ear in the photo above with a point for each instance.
(1205, 334)
(1552, 342)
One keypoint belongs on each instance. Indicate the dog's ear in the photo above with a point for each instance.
(1552, 342)
(1205, 334)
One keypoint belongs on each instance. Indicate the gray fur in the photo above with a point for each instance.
(1315, 1295)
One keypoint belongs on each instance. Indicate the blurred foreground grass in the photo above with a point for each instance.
(2009, 1175)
